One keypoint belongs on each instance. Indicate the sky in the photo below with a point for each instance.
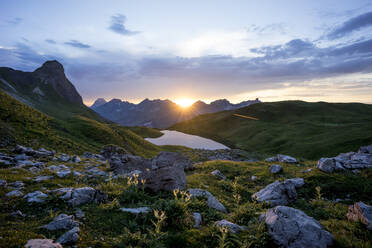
(197, 50)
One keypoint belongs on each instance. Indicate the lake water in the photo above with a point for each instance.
(182, 139)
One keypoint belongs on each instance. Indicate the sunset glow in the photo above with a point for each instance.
(184, 102)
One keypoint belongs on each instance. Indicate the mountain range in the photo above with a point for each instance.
(159, 113)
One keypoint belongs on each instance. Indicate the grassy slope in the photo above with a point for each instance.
(74, 133)
(146, 132)
(106, 226)
(301, 129)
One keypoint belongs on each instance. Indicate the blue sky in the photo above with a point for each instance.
(275, 50)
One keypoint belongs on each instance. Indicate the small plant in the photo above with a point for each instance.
(157, 234)
(236, 195)
(222, 238)
(318, 194)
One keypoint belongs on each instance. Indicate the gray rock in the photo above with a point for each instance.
(64, 157)
(212, 202)
(42, 243)
(56, 168)
(95, 172)
(14, 193)
(126, 163)
(281, 158)
(16, 185)
(21, 157)
(42, 178)
(77, 174)
(218, 174)
(69, 237)
(275, 168)
(3, 183)
(329, 165)
(234, 228)
(80, 196)
(62, 221)
(136, 211)
(76, 159)
(172, 158)
(365, 149)
(23, 163)
(279, 193)
(17, 214)
(197, 219)
(109, 151)
(361, 211)
(36, 197)
(253, 178)
(63, 173)
(79, 213)
(292, 228)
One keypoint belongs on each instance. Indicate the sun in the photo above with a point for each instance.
(184, 102)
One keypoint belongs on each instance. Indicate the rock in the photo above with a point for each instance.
(64, 157)
(172, 158)
(80, 196)
(42, 178)
(55, 168)
(79, 213)
(90, 155)
(329, 165)
(275, 168)
(308, 170)
(16, 185)
(3, 183)
(165, 177)
(95, 172)
(62, 221)
(279, 193)
(253, 178)
(282, 159)
(136, 211)
(126, 163)
(109, 151)
(21, 157)
(292, 228)
(76, 159)
(69, 237)
(36, 197)
(365, 149)
(212, 202)
(14, 193)
(17, 214)
(77, 174)
(234, 228)
(63, 173)
(361, 211)
(218, 174)
(197, 219)
(42, 243)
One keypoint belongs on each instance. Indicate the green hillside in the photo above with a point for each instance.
(301, 129)
(75, 133)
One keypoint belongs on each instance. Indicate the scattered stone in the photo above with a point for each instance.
(62, 221)
(80, 196)
(63, 173)
(76, 159)
(21, 157)
(14, 193)
(279, 193)
(212, 202)
(64, 157)
(292, 228)
(351, 161)
(42, 178)
(17, 214)
(218, 174)
(253, 178)
(308, 170)
(69, 237)
(275, 169)
(361, 211)
(77, 174)
(109, 151)
(42, 243)
(136, 211)
(172, 158)
(79, 213)
(55, 168)
(282, 159)
(197, 219)
(16, 185)
(36, 197)
(234, 228)
(3, 183)
(95, 172)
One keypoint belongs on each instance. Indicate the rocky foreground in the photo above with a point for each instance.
(116, 199)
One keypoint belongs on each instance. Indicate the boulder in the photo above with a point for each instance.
(172, 158)
(361, 211)
(197, 219)
(234, 228)
(62, 221)
(42, 243)
(329, 165)
(80, 196)
(212, 202)
(109, 151)
(14, 193)
(292, 228)
(365, 149)
(275, 169)
(218, 174)
(69, 237)
(279, 193)
(36, 197)
(126, 163)
(79, 213)
(136, 211)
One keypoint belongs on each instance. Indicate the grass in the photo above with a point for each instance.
(146, 132)
(301, 129)
(106, 226)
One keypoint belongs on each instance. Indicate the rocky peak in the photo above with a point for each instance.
(98, 102)
(52, 66)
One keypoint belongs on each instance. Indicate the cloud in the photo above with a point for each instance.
(15, 21)
(351, 25)
(50, 41)
(77, 44)
(117, 25)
